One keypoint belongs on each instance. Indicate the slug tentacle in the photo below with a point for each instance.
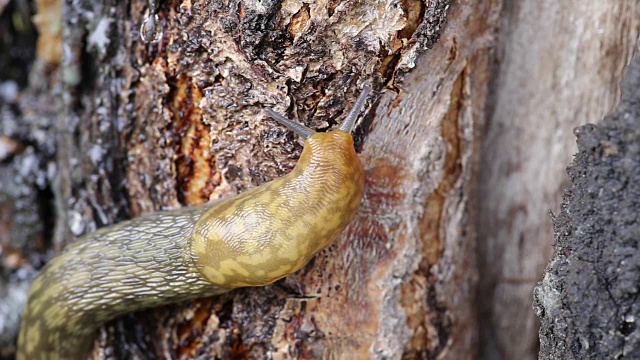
(350, 120)
(251, 239)
(301, 130)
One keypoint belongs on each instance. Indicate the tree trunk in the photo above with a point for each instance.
(595, 269)
(108, 127)
(140, 127)
(560, 63)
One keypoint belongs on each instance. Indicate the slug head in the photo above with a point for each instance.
(273, 230)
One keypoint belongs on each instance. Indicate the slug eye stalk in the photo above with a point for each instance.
(350, 120)
(301, 130)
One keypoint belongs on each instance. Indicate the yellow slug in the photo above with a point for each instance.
(250, 239)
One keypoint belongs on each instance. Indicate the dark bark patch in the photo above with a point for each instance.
(588, 299)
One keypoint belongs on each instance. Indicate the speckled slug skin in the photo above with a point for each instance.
(250, 239)
(271, 231)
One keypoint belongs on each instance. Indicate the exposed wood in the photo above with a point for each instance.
(560, 63)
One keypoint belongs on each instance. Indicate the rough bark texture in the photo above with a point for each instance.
(588, 300)
(120, 127)
(26, 151)
(560, 63)
(138, 127)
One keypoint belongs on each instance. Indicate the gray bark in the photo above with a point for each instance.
(559, 65)
(588, 300)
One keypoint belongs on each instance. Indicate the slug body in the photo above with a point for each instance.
(250, 239)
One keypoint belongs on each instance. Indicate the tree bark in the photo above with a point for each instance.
(595, 268)
(116, 127)
(142, 126)
(560, 63)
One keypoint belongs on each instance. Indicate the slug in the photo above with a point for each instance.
(251, 239)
